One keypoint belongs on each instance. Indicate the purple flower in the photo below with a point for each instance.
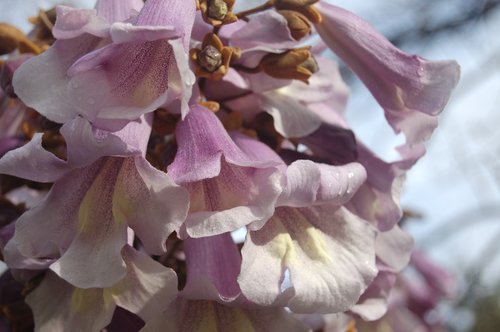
(410, 89)
(146, 288)
(111, 71)
(104, 187)
(228, 187)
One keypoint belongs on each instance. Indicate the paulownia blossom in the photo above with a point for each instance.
(104, 187)
(145, 289)
(111, 67)
(254, 141)
(228, 188)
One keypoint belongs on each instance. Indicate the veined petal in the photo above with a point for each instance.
(213, 264)
(377, 200)
(399, 81)
(329, 254)
(85, 143)
(372, 305)
(74, 22)
(341, 147)
(33, 162)
(47, 229)
(202, 141)
(237, 197)
(93, 258)
(394, 248)
(122, 32)
(291, 118)
(314, 183)
(326, 85)
(58, 306)
(176, 13)
(117, 10)
(209, 316)
(149, 202)
(148, 287)
(255, 34)
(31, 79)
(125, 81)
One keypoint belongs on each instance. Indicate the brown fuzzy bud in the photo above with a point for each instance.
(217, 9)
(9, 38)
(311, 64)
(297, 23)
(210, 58)
(305, 7)
(294, 64)
(217, 12)
(213, 59)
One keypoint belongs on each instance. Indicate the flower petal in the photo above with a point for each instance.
(314, 183)
(45, 230)
(237, 197)
(58, 306)
(194, 316)
(122, 32)
(373, 303)
(125, 81)
(176, 13)
(377, 200)
(202, 141)
(147, 288)
(149, 202)
(329, 255)
(41, 82)
(291, 118)
(213, 264)
(85, 143)
(394, 248)
(401, 83)
(117, 10)
(93, 258)
(33, 162)
(74, 22)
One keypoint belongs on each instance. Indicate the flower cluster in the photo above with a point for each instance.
(154, 132)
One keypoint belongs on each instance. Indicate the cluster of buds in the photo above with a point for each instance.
(139, 140)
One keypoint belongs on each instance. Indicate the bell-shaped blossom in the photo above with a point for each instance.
(201, 315)
(212, 264)
(393, 249)
(409, 88)
(326, 252)
(377, 200)
(228, 187)
(111, 71)
(105, 186)
(211, 299)
(146, 288)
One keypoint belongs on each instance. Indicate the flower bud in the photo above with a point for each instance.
(305, 7)
(297, 23)
(296, 64)
(210, 58)
(217, 12)
(9, 38)
(217, 9)
(213, 59)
